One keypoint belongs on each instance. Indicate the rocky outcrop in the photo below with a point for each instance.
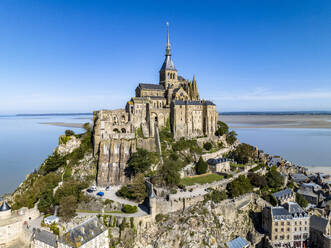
(68, 146)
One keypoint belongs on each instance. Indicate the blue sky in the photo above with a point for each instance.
(78, 56)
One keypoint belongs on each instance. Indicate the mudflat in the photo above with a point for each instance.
(277, 121)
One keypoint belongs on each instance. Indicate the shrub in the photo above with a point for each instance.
(142, 160)
(216, 196)
(201, 167)
(136, 191)
(173, 191)
(54, 228)
(301, 200)
(68, 206)
(69, 132)
(222, 128)
(231, 137)
(243, 153)
(270, 198)
(274, 178)
(239, 186)
(184, 144)
(208, 146)
(257, 180)
(129, 209)
(169, 173)
(52, 163)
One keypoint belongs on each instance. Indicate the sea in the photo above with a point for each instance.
(25, 143)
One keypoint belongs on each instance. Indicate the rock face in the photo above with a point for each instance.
(69, 146)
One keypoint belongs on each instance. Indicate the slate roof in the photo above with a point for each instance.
(283, 193)
(168, 64)
(46, 237)
(181, 102)
(318, 223)
(290, 211)
(307, 192)
(83, 233)
(4, 207)
(238, 243)
(151, 86)
(298, 177)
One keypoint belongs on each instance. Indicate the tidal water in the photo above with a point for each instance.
(25, 144)
(302, 146)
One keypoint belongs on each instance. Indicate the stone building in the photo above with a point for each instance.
(286, 226)
(174, 103)
(13, 223)
(285, 195)
(90, 234)
(320, 232)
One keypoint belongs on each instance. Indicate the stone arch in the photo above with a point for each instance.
(123, 130)
(115, 130)
(123, 118)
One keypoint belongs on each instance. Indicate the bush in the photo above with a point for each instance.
(231, 137)
(169, 173)
(270, 198)
(274, 178)
(142, 160)
(222, 128)
(201, 167)
(184, 144)
(173, 191)
(208, 146)
(301, 200)
(216, 196)
(68, 206)
(69, 132)
(136, 191)
(239, 186)
(257, 180)
(54, 228)
(52, 163)
(129, 209)
(243, 153)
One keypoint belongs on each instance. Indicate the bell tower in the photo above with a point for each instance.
(168, 72)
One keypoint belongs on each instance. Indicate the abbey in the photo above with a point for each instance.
(174, 102)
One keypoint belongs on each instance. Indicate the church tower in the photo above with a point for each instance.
(168, 72)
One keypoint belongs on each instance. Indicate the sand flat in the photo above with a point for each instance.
(277, 121)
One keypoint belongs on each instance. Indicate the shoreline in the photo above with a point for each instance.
(63, 124)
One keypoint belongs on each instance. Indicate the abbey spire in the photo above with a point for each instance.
(168, 72)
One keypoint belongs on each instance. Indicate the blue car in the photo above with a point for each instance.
(100, 193)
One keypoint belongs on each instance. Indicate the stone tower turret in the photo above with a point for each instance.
(168, 72)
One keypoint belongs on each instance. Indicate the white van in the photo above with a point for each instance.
(94, 188)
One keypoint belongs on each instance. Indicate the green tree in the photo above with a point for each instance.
(274, 178)
(301, 200)
(201, 167)
(69, 132)
(208, 146)
(216, 196)
(270, 198)
(137, 190)
(52, 163)
(46, 201)
(243, 153)
(239, 186)
(222, 128)
(231, 137)
(68, 206)
(169, 173)
(257, 180)
(141, 161)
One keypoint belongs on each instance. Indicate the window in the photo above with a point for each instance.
(288, 229)
(276, 237)
(276, 223)
(282, 223)
(288, 236)
(276, 230)
(282, 229)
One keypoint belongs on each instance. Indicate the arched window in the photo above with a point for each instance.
(123, 130)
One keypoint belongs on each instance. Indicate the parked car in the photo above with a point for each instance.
(107, 188)
(94, 188)
(100, 193)
(89, 190)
